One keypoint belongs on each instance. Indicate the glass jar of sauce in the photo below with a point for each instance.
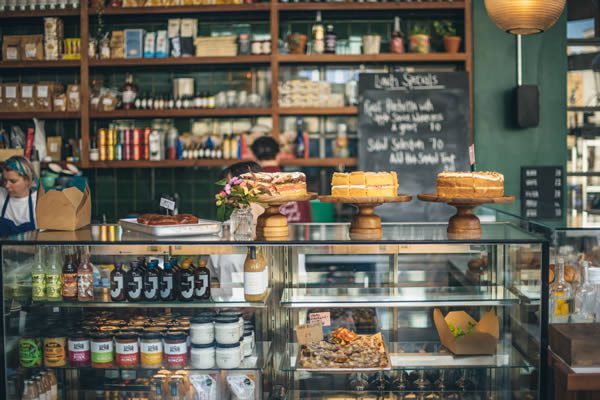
(102, 350)
(151, 350)
(176, 350)
(127, 350)
(202, 330)
(78, 350)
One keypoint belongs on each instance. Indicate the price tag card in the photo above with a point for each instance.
(311, 333)
(167, 203)
(323, 317)
(472, 154)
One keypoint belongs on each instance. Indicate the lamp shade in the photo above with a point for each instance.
(524, 17)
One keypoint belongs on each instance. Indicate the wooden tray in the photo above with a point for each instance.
(272, 225)
(366, 225)
(464, 224)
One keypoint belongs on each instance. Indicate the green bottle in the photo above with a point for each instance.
(53, 280)
(38, 278)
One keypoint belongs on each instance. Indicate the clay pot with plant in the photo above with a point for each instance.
(296, 43)
(447, 31)
(419, 40)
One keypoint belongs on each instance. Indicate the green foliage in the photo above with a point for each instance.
(458, 331)
(420, 29)
(444, 28)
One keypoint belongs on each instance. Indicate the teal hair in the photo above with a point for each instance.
(23, 167)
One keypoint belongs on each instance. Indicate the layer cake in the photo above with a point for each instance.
(278, 183)
(470, 184)
(364, 184)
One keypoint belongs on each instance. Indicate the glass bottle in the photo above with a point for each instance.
(30, 391)
(202, 281)
(341, 142)
(167, 283)
(561, 295)
(69, 291)
(53, 384)
(300, 145)
(330, 40)
(318, 36)
(38, 278)
(186, 281)
(151, 282)
(129, 92)
(53, 280)
(118, 278)
(397, 40)
(135, 282)
(584, 297)
(85, 279)
(255, 276)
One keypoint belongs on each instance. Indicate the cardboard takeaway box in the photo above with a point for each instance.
(64, 210)
(483, 339)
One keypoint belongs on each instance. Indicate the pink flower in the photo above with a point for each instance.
(228, 188)
(243, 184)
(235, 180)
(222, 194)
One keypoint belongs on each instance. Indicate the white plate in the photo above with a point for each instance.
(203, 227)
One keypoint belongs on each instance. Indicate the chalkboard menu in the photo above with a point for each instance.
(542, 192)
(416, 124)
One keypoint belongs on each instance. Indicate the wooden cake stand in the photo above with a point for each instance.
(366, 225)
(464, 224)
(272, 224)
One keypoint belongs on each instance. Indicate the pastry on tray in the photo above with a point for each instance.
(278, 183)
(158, 219)
(343, 348)
(364, 184)
(470, 184)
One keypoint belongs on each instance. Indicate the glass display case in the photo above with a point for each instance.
(381, 307)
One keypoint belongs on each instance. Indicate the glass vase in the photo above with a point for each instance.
(241, 224)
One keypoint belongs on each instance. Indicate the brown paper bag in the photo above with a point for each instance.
(65, 210)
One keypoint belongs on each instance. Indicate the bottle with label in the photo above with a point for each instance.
(172, 138)
(341, 142)
(154, 145)
(318, 36)
(186, 281)
(118, 279)
(30, 391)
(38, 278)
(69, 291)
(129, 92)
(151, 282)
(561, 295)
(397, 41)
(300, 141)
(53, 279)
(135, 282)
(330, 40)
(167, 283)
(202, 282)
(53, 384)
(226, 148)
(255, 276)
(85, 279)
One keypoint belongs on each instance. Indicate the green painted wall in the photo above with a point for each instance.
(499, 144)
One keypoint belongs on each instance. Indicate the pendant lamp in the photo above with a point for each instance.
(524, 17)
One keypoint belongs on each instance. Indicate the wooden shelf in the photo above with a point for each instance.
(413, 5)
(40, 64)
(224, 8)
(217, 112)
(300, 162)
(38, 115)
(67, 12)
(318, 111)
(319, 162)
(356, 58)
(141, 62)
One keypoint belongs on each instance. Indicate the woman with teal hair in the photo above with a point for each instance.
(17, 197)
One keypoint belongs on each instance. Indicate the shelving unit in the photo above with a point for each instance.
(274, 12)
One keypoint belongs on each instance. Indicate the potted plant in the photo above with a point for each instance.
(296, 43)
(446, 30)
(419, 39)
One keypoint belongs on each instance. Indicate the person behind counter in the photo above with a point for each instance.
(18, 197)
(266, 149)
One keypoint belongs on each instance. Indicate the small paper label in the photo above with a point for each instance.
(12, 53)
(321, 317)
(59, 102)
(26, 91)
(11, 92)
(472, 154)
(106, 101)
(42, 91)
(311, 333)
(74, 95)
(166, 203)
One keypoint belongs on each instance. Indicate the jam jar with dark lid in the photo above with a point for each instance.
(102, 350)
(78, 350)
(127, 350)
(175, 349)
(151, 350)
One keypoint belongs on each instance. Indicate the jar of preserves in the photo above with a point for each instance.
(102, 350)
(202, 330)
(127, 350)
(203, 356)
(228, 356)
(55, 351)
(176, 350)
(151, 350)
(248, 343)
(78, 347)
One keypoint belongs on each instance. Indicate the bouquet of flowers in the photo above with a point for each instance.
(236, 194)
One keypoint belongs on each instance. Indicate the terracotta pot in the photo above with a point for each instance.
(419, 44)
(296, 43)
(452, 44)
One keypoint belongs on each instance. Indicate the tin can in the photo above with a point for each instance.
(121, 136)
(101, 137)
(137, 135)
(136, 152)
(127, 152)
(110, 156)
(126, 136)
(118, 152)
(102, 151)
